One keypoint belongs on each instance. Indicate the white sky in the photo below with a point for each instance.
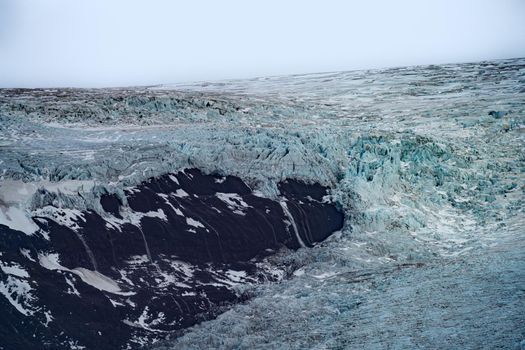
(89, 43)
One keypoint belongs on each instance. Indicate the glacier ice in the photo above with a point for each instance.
(426, 162)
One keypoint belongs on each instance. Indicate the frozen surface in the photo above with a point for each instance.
(473, 302)
(427, 162)
(93, 278)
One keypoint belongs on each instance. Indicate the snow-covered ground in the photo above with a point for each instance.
(427, 162)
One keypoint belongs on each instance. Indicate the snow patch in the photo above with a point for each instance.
(14, 269)
(62, 216)
(180, 193)
(17, 219)
(18, 293)
(93, 278)
(27, 254)
(234, 202)
(236, 276)
(194, 223)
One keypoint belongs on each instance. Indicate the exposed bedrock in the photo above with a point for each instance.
(173, 255)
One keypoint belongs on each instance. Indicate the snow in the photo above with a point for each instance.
(174, 179)
(180, 193)
(17, 219)
(72, 290)
(97, 280)
(234, 202)
(27, 254)
(62, 216)
(147, 321)
(49, 318)
(18, 292)
(183, 267)
(93, 278)
(194, 223)
(14, 269)
(50, 261)
(16, 196)
(132, 217)
(220, 180)
(115, 303)
(138, 260)
(73, 345)
(236, 276)
(19, 192)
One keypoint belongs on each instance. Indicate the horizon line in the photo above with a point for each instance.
(194, 82)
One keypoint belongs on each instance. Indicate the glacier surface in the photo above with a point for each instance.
(427, 163)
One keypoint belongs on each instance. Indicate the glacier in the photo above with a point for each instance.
(425, 162)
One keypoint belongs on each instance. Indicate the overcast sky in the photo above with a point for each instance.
(88, 43)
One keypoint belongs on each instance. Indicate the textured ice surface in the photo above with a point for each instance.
(427, 163)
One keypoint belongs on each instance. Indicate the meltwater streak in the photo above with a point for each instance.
(292, 223)
(88, 250)
(146, 246)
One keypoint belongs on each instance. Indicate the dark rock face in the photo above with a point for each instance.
(165, 261)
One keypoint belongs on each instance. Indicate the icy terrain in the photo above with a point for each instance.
(427, 163)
